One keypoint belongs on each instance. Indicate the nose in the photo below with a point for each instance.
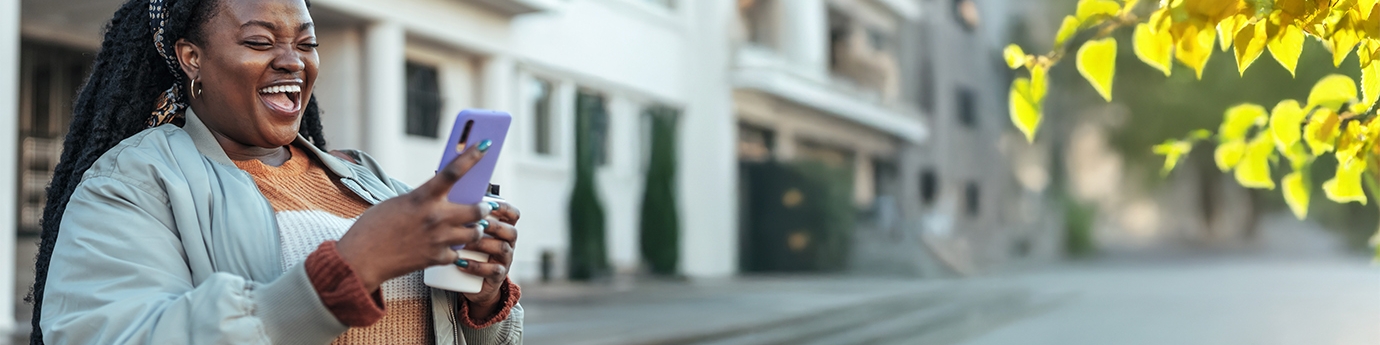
(289, 61)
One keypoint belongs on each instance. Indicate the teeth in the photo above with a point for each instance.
(281, 88)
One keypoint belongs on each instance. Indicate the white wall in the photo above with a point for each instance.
(707, 180)
(9, 131)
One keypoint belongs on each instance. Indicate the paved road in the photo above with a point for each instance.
(1291, 288)
(1205, 301)
(1294, 287)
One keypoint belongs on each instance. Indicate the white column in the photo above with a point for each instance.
(9, 157)
(497, 89)
(805, 36)
(708, 163)
(339, 84)
(385, 92)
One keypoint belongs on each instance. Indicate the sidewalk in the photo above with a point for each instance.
(762, 310)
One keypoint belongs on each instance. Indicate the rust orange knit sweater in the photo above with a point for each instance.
(313, 210)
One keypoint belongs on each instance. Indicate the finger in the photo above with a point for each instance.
(501, 230)
(489, 270)
(440, 184)
(448, 214)
(499, 251)
(505, 212)
(445, 255)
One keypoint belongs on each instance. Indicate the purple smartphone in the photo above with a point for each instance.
(471, 127)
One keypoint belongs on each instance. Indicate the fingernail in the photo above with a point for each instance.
(462, 263)
(484, 145)
(493, 205)
(483, 224)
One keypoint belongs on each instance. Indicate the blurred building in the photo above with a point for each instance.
(891, 110)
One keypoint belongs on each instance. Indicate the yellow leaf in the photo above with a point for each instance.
(1346, 185)
(1332, 91)
(1286, 46)
(1296, 193)
(1250, 43)
(1321, 131)
(1365, 6)
(1365, 51)
(1370, 85)
(1227, 29)
(1172, 150)
(1015, 57)
(1228, 154)
(1195, 47)
(1298, 156)
(1039, 82)
(1254, 169)
(1066, 31)
(1155, 49)
(1239, 119)
(1285, 122)
(1025, 111)
(1343, 41)
(1349, 142)
(1097, 63)
(1094, 9)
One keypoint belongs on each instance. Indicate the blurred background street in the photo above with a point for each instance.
(1293, 287)
(793, 171)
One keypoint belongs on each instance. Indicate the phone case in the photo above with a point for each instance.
(483, 124)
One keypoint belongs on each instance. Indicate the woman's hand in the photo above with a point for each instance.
(415, 230)
(500, 237)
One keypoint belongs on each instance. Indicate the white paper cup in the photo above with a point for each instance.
(450, 277)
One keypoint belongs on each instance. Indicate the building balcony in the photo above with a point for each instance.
(763, 70)
(516, 7)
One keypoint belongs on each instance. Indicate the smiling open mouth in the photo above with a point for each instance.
(283, 98)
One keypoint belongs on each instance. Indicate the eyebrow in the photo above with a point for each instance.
(271, 27)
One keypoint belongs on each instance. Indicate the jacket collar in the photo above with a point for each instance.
(208, 146)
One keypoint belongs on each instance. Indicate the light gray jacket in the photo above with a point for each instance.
(165, 241)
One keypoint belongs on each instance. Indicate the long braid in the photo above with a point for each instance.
(117, 99)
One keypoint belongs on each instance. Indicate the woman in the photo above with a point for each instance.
(194, 204)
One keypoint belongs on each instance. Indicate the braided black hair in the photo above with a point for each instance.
(118, 97)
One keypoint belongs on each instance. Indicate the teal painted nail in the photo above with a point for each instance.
(462, 263)
(484, 145)
(493, 206)
(483, 224)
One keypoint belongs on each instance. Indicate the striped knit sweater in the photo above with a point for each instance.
(313, 210)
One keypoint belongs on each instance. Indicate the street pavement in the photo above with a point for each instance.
(1295, 286)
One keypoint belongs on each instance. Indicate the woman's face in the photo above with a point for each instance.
(256, 68)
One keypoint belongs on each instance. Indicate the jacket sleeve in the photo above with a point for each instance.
(506, 332)
(119, 275)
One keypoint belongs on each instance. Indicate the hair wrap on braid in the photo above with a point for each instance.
(135, 83)
(170, 104)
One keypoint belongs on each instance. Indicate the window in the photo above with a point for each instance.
(540, 97)
(591, 112)
(759, 19)
(967, 107)
(49, 78)
(755, 144)
(929, 186)
(971, 199)
(423, 101)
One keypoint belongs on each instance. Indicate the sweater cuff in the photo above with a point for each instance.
(509, 294)
(340, 289)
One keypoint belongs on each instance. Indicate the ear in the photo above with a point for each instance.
(189, 57)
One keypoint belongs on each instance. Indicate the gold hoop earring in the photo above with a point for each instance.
(195, 91)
